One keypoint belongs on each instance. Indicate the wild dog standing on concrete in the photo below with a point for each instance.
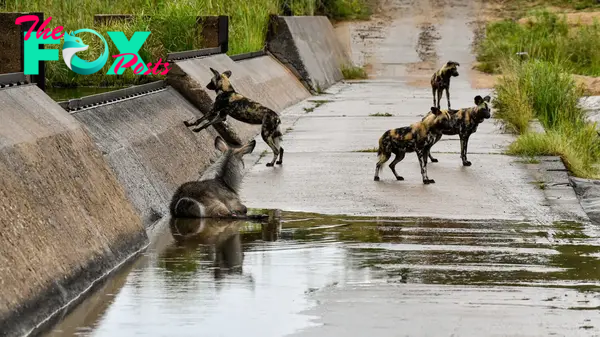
(229, 102)
(419, 137)
(464, 123)
(215, 195)
(440, 81)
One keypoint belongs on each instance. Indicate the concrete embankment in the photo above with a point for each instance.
(262, 79)
(65, 220)
(148, 146)
(308, 46)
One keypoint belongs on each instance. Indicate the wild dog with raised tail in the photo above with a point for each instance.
(230, 103)
(440, 81)
(464, 123)
(215, 195)
(419, 137)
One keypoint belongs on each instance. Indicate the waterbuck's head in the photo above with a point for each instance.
(230, 167)
(220, 82)
(482, 109)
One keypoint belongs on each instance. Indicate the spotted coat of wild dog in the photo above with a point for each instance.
(440, 81)
(216, 194)
(230, 103)
(464, 123)
(419, 137)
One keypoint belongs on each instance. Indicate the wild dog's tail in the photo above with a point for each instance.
(187, 208)
(380, 148)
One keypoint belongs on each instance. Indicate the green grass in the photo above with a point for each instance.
(354, 73)
(548, 37)
(173, 28)
(547, 91)
(381, 114)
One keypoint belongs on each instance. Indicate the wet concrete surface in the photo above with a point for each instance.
(501, 248)
(304, 274)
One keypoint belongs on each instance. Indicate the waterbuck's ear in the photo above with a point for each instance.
(220, 144)
(211, 86)
(478, 100)
(487, 98)
(248, 148)
(435, 110)
(227, 73)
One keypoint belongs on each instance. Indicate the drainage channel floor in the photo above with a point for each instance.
(302, 274)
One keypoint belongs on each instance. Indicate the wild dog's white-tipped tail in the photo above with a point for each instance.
(188, 208)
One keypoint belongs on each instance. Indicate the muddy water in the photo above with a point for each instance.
(301, 273)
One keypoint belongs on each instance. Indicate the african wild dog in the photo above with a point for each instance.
(215, 195)
(464, 123)
(440, 81)
(419, 137)
(229, 102)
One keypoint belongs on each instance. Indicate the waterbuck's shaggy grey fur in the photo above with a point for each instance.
(215, 195)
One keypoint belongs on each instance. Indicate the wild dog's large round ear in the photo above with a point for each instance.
(211, 86)
(487, 98)
(478, 100)
(227, 73)
(220, 144)
(216, 73)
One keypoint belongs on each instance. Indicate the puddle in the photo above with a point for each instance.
(229, 278)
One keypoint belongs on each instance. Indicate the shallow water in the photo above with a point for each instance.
(291, 273)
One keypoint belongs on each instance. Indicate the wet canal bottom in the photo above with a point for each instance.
(313, 275)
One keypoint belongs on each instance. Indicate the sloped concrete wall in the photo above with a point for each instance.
(262, 79)
(64, 218)
(308, 46)
(150, 149)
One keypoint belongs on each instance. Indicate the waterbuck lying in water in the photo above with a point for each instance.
(215, 195)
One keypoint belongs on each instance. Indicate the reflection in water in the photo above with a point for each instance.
(206, 271)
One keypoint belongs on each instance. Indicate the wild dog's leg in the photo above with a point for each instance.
(383, 157)
(464, 141)
(280, 161)
(439, 97)
(220, 117)
(196, 122)
(399, 156)
(422, 155)
(273, 144)
(437, 139)
(433, 91)
(448, 95)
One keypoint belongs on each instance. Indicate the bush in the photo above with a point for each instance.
(546, 90)
(547, 37)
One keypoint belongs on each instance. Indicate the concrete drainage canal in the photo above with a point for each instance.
(294, 272)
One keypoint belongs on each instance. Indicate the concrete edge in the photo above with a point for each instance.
(82, 283)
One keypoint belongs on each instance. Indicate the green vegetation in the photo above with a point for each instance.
(173, 27)
(547, 91)
(381, 114)
(546, 37)
(520, 8)
(354, 73)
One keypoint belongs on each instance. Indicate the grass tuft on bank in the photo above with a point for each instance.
(546, 37)
(173, 27)
(546, 91)
(354, 73)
